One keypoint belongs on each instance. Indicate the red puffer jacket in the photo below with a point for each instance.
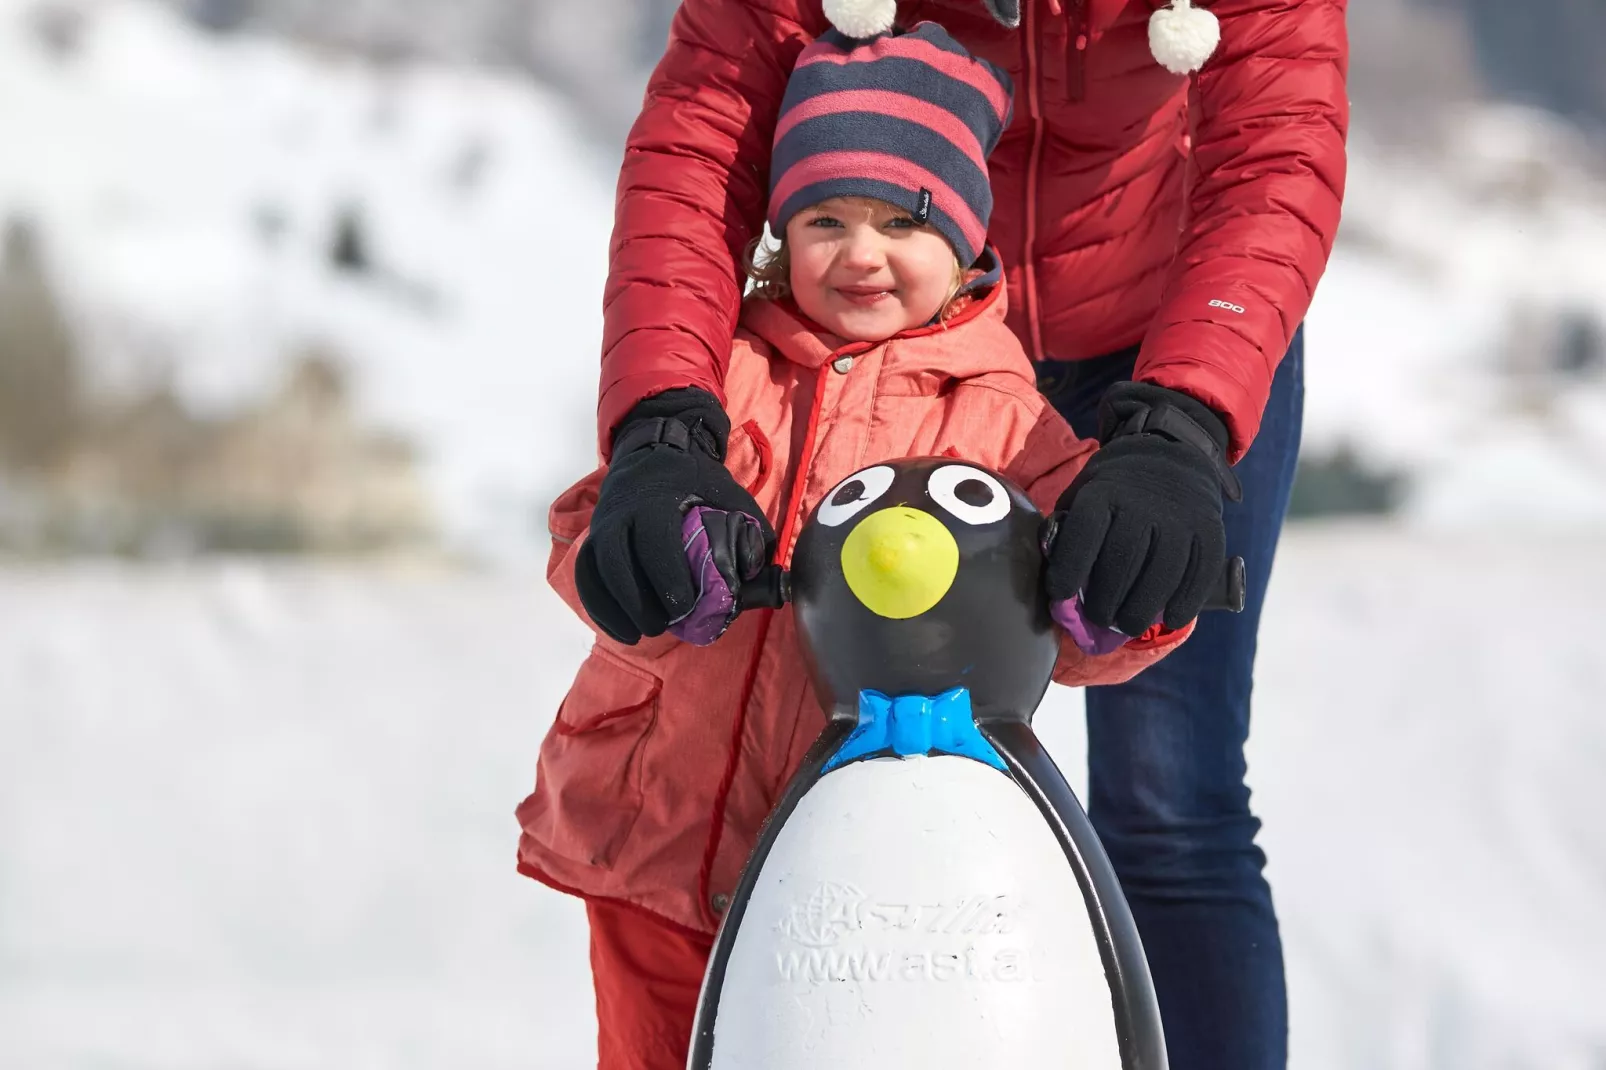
(1193, 215)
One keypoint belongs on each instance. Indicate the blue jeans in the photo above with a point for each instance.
(1166, 769)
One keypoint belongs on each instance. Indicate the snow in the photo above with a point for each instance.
(1427, 752)
(262, 816)
(188, 186)
(278, 830)
(1416, 338)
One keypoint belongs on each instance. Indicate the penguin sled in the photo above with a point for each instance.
(928, 892)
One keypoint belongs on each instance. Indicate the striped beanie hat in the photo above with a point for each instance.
(907, 118)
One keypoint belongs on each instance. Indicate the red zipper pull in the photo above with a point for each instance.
(1076, 31)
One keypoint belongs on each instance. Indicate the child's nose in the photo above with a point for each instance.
(863, 250)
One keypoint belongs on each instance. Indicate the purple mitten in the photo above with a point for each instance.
(1089, 638)
(723, 549)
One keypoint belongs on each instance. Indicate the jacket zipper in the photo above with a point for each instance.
(1076, 42)
(1028, 258)
(783, 556)
(800, 471)
(716, 831)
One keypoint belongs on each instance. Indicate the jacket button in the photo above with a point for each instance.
(843, 364)
(721, 902)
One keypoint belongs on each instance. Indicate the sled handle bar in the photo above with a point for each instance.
(772, 589)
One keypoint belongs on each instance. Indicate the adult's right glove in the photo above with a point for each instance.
(1140, 532)
(632, 572)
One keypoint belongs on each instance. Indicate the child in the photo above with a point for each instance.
(866, 339)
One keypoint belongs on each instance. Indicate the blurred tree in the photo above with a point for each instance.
(596, 52)
(1407, 56)
(39, 369)
(221, 16)
(1546, 53)
(1408, 64)
(1340, 483)
(59, 26)
(300, 472)
(1580, 344)
(349, 251)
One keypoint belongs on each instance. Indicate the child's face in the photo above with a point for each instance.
(865, 270)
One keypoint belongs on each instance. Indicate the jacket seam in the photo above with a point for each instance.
(539, 875)
(716, 832)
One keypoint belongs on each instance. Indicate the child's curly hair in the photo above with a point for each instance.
(770, 269)
(771, 272)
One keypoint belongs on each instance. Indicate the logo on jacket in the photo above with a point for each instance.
(1228, 305)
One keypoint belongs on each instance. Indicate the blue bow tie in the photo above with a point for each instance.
(916, 725)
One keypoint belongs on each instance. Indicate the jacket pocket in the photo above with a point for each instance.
(589, 792)
(569, 521)
(570, 513)
(749, 457)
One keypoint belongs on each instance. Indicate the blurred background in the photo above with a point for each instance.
(290, 292)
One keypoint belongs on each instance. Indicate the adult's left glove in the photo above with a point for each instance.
(632, 572)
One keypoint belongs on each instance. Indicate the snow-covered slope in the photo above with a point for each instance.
(187, 188)
(264, 818)
(1427, 339)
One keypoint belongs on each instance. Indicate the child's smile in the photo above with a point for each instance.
(865, 270)
(865, 296)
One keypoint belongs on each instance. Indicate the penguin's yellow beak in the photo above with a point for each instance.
(900, 561)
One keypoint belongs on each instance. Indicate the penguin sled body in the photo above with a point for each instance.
(928, 890)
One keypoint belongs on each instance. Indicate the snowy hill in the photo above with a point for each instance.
(1432, 340)
(263, 817)
(187, 191)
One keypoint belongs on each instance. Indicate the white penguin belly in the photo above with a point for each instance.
(915, 913)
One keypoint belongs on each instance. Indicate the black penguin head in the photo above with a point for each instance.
(917, 576)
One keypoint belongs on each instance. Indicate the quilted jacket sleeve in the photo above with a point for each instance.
(692, 194)
(1270, 119)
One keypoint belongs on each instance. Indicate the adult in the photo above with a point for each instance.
(1166, 198)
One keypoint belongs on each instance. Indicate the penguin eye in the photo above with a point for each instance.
(853, 494)
(969, 494)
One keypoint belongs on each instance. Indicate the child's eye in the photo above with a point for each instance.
(902, 222)
(825, 221)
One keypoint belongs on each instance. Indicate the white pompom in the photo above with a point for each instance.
(1182, 36)
(861, 18)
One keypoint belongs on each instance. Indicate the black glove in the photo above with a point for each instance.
(668, 454)
(1140, 535)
